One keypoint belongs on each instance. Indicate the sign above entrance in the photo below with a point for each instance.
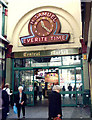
(44, 28)
(46, 53)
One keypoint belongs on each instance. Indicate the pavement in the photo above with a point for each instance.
(40, 110)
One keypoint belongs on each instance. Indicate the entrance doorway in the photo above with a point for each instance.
(25, 78)
(30, 71)
(72, 86)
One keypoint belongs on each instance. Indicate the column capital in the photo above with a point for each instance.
(84, 46)
(9, 51)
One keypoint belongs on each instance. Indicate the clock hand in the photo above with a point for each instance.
(42, 24)
(46, 29)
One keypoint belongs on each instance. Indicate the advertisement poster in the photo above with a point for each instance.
(51, 77)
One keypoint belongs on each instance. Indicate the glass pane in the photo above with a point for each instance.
(78, 79)
(30, 99)
(3, 64)
(79, 99)
(16, 80)
(0, 53)
(47, 61)
(71, 60)
(22, 63)
(0, 69)
(67, 79)
(26, 80)
(3, 54)
(67, 101)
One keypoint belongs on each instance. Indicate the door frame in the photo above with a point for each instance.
(73, 92)
(28, 92)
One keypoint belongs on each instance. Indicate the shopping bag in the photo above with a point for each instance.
(15, 109)
(57, 118)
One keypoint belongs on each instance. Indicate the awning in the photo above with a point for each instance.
(3, 39)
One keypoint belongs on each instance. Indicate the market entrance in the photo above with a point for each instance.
(32, 72)
(70, 79)
(44, 80)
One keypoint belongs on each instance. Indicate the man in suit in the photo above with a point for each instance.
(55, 103)
(20, 100)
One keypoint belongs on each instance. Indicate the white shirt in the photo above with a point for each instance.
(8, 91)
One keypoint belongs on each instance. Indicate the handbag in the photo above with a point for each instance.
(15, 109)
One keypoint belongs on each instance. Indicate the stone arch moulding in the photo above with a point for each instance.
(62, 14)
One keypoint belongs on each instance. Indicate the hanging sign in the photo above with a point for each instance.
(44, 28)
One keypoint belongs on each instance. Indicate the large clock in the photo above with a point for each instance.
(44, 28)
(44, 24)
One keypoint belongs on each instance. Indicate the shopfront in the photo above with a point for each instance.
(46, 43)
(29, 69)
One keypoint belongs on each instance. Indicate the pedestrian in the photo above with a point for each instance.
(5, 104)
(55, 109)
(40, 91)
(7, 89)
(74, 89)
(70, 89)
(35, 92)
(63, 89)
(20, 101)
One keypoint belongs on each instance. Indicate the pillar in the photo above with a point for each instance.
(90, 74)
(9, 65)
(86, 94)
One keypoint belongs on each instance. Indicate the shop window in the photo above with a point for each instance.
(16, 80)
(46, 61)
(71, 60)
(22, 63)
(67, 79)
(2, 64)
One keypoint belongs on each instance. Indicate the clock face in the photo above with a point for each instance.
(43, 26)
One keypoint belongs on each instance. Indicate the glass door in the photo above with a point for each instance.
(68, 83)
(79, 85)
(72, 86)
(25, 78)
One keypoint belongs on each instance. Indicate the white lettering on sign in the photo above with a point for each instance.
(43, 14)
(59, 52)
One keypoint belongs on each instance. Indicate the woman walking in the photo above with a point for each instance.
(20, 100)
(55, 103)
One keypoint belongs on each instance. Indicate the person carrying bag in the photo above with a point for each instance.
(20, 101)
(55, 111)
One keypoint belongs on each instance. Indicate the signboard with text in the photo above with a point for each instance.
(46, 53)
(44, 28)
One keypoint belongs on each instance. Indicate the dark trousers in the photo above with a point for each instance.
(4, 113)
(40, 95)
(19, 110)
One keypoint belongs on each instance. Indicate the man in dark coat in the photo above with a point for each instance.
(55, 103)
(5, 104)
(20, 100)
